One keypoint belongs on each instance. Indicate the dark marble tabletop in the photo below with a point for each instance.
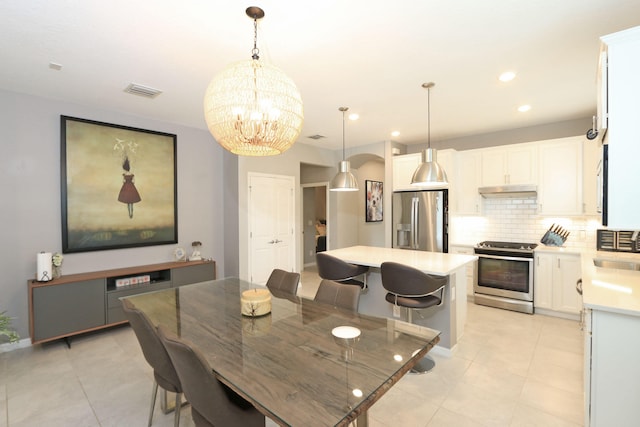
(287, 363)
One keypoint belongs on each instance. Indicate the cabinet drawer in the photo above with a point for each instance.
(193, 274)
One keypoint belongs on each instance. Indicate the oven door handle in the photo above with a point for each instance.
(508, 258)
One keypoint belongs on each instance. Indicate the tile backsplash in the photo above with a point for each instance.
(517, 220)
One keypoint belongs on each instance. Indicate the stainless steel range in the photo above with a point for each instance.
(505, 275)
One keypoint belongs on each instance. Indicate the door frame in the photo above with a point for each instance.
(326, 215)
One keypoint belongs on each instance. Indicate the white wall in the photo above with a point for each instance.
(30, 214)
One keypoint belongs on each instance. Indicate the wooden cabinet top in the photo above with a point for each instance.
(138, 269)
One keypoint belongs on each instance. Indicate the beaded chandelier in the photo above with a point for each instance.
(253, 108)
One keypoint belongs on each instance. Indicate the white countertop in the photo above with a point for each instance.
(610, 289)
(558, 249)
(429, 262)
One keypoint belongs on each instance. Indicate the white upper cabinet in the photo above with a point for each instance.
(403, 168)
(468, 176)
(447, 160)
(623, 52)
(405, 165)
(513, 164)
(560, 178)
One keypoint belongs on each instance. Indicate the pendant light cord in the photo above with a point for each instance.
(428, 87)
(429, 116)
(344, 110)
(343, 149)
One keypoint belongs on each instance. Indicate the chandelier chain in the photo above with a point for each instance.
(255, 51)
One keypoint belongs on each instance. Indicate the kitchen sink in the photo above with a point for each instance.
(616, 264)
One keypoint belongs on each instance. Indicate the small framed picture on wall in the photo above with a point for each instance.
(373, 203)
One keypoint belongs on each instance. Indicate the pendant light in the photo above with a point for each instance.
(344, 180)
(429, 173)
(252, 108)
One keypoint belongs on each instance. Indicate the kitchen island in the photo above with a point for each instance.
(611, 297)
(449, 318)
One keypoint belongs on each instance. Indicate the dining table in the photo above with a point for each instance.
(293, 363)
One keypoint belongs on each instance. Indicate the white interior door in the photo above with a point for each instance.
(271, 225)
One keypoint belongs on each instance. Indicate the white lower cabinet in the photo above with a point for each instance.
(472, 267)
(555, 277)
(612, 371)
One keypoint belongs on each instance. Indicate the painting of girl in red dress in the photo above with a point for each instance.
(128, 193)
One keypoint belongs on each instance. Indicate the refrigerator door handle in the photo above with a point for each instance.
(414, 222)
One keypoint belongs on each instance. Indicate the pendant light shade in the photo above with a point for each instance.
(253, 108)
(344, 180)
(429, 173)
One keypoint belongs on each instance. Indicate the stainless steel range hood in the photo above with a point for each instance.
(512, 191)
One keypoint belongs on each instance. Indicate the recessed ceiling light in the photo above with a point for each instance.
(354, 116)
(395, 133)
(524, 108)
(507, 76)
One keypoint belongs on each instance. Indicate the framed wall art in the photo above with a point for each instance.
(118, 186)
(373, 204)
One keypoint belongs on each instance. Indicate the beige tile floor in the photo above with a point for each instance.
(510, 369)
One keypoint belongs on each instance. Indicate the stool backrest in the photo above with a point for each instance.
(332, 268)
(408, 281)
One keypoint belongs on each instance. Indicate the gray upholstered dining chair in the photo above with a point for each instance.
(283, 282)
(212, 403)
(332, 268)
(412, 289)
(157, 357)
(338, 295)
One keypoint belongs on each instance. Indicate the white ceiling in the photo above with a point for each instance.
(371, 56)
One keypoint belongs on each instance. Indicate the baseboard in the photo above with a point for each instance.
(560, 314)
(442, 351)
(10, 346)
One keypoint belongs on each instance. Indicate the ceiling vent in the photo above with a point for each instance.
(316, 137)
(147, 92)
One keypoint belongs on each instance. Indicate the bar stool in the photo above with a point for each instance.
(332, 268)
(412, 289)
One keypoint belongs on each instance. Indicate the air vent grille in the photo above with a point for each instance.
(140, 90)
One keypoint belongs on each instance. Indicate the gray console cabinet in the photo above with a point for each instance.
(84, 302)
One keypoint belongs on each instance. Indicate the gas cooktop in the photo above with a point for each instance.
(488, 244)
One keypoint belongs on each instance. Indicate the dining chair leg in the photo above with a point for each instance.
(164, 404)
(177, 407)
(153, 401)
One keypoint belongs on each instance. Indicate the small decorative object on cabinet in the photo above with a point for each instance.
(56, 262)
(180, 254)
(195, 256)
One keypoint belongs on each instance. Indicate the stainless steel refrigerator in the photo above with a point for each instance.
(420, 220)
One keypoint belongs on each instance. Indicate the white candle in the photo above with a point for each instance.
(255, 302)
(43, 267)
